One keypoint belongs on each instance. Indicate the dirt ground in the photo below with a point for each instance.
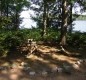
(47, 63)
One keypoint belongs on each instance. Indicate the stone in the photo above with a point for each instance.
(32, 73)
(1, 68)
(67, 68)
(44, 73)
(26, 68)
(60, 70)
(24, 64)
(14, 65)
(55, 69)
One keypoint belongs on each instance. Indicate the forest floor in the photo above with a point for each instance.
(45, 64)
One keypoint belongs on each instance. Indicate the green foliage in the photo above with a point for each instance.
(52, 35)
(12, 9)
(34, 34)
(77, 39)
(9, 40)
(4, 21)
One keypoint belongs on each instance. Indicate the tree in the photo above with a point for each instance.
(12, 9)
(45, 18)
(46, 14)
(64, 23)
(16, 8)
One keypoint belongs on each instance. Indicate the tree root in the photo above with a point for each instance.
(65, 52)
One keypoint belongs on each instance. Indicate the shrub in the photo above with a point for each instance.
(77, 39)
(9, 40)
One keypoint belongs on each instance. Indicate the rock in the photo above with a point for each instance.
(1, 68)
(26, 68)
(60, 70)
(14, 65)
(67, 69)
(24, 64)
(32, 73)
(55, 69)
(44, 73)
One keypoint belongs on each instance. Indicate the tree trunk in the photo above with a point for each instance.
(16, 27)
(7, 8)
(7, 12)
(16, 23)
(1, 8)
(70, 20)
(64, 23)
(45, 19)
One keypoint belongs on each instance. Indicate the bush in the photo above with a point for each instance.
(34, 34)
(9, 40)
(77, 39)
(52, 35)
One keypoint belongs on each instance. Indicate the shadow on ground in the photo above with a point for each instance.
(45, 59)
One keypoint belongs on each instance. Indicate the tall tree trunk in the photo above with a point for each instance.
(64, 23)
(45, 18)
(70, 19)
(48, 24)
(16, 21)
(1, 8)
(7, 12)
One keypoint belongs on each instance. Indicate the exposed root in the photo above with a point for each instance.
(64, 51)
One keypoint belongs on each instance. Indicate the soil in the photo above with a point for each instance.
(46, 59)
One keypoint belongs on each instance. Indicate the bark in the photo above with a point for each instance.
(64, 23)
(16, 21)
(7, 12)
(1, 8)
(70, 21)
(45, 19)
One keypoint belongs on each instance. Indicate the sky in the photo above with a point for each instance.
(28, 22)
